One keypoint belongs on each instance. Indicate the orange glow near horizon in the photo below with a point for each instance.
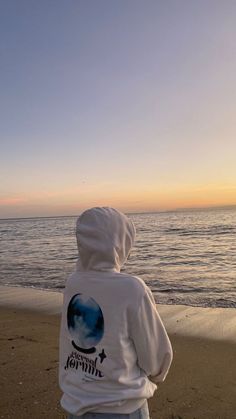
(127, 199)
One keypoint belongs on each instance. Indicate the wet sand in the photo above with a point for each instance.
(201, 383)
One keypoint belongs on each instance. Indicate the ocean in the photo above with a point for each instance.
(186, 257)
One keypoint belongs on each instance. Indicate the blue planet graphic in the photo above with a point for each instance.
(85, 321)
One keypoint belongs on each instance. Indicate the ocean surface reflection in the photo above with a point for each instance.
(186, 257)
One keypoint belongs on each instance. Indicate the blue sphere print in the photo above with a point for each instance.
(85, 322)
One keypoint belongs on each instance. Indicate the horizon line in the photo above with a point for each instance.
(184, 209)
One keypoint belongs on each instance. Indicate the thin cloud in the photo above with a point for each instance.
(12, 201)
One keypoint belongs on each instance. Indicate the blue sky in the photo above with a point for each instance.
(122, 103)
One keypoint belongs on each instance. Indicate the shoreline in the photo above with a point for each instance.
(182, 320)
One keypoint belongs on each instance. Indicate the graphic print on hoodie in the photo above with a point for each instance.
(85, 323)
(86, 326)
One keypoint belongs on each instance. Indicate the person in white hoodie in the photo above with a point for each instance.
(113, 345)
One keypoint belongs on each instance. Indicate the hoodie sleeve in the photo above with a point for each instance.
(153, 347)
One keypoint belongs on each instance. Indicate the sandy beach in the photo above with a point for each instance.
(200, 385)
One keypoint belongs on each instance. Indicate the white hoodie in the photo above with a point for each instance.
(112, 338)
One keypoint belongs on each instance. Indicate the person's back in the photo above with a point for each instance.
(112, 338)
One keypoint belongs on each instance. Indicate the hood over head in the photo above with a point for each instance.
(105, 237)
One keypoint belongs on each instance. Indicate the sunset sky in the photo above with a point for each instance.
(126, 103)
